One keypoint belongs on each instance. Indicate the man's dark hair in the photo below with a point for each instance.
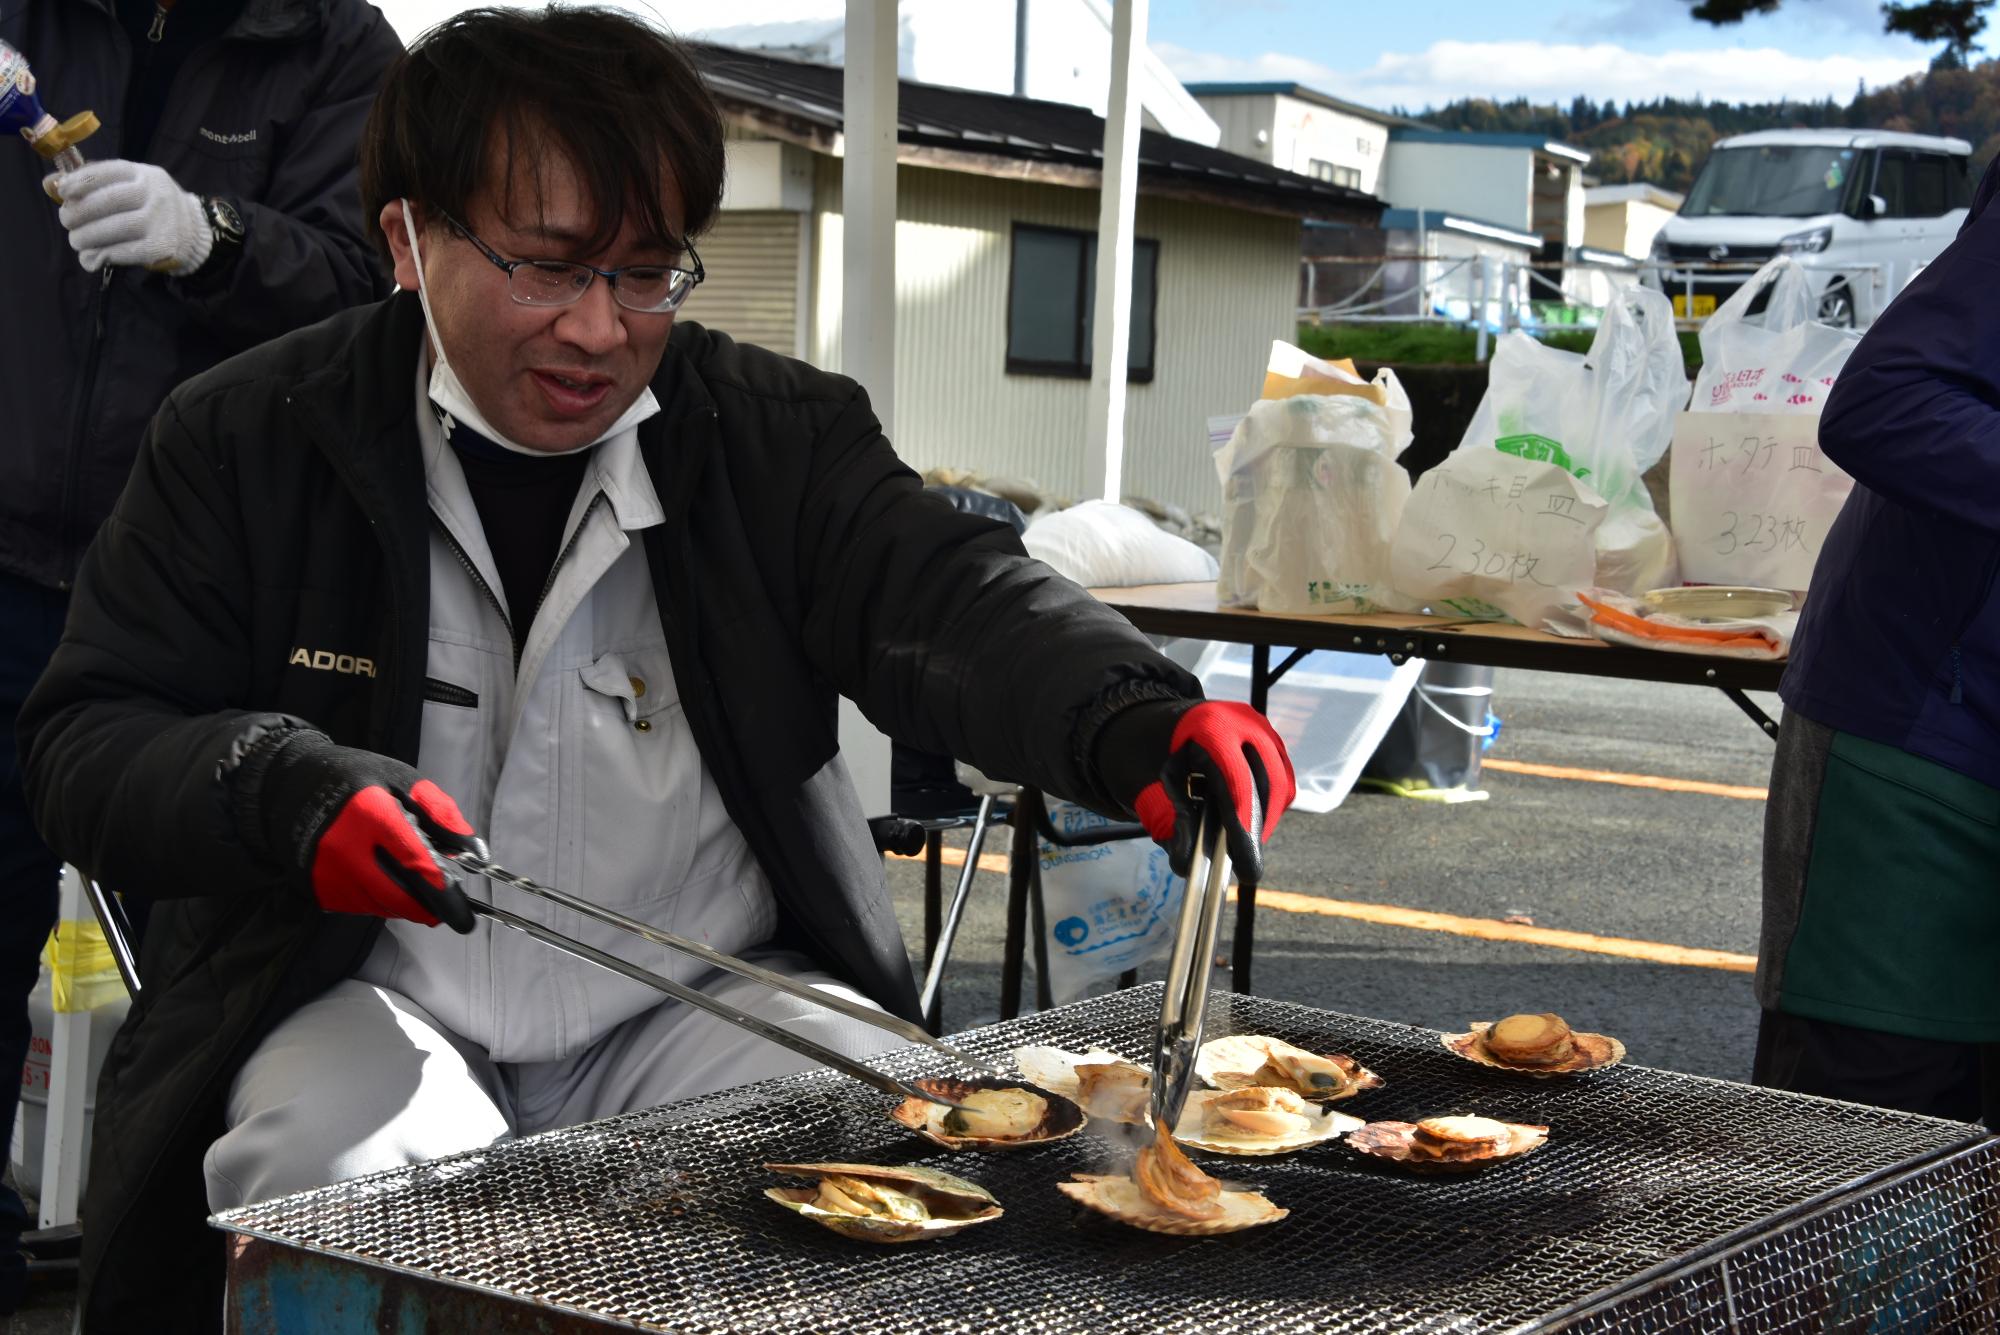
(619, 98)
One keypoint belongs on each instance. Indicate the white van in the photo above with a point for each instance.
(1864, 210)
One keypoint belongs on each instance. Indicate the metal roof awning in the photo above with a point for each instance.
(1015, 130)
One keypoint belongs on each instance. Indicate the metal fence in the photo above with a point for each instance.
(1492, 295)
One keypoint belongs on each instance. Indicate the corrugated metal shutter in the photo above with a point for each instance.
(752, 289)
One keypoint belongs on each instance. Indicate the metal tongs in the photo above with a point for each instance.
(1178, 1037)
(722, 1010)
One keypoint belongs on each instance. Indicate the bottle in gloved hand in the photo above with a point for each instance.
(1152, 755)
(22, 112)
(368, 833)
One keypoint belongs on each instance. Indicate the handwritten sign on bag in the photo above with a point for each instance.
(1752, 497)
(1488, 534)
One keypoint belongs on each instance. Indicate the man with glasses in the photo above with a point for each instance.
(513, 557)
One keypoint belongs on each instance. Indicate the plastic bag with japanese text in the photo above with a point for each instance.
(1753, 498)
(1602, 418)
(1776, 361)
(1312, 491)
(1497, 536)
(1109, 907)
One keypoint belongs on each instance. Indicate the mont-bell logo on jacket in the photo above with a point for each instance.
(325, 660)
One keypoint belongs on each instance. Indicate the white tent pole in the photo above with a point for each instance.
(868, 205)
(868, 291)
(1111, 336)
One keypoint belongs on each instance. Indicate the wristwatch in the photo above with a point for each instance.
(226, 224)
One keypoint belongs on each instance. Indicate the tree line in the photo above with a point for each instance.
(1665, 140)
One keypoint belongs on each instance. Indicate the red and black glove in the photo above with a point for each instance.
(364, 829)
(1230, 748)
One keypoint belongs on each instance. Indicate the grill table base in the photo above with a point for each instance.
(1662, 1203)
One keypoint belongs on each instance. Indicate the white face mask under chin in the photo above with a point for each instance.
(454, 403)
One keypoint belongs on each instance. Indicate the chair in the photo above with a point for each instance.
(1024, 897)
(926, 799)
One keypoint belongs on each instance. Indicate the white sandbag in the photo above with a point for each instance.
(1105, 545)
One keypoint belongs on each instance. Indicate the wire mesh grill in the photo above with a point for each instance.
(656, 1220)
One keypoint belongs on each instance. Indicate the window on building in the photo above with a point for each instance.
(1050, 296)
(1322, 170)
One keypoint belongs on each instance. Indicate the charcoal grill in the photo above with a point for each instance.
(1662, 1202)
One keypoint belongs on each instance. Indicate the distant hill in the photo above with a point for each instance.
(1664, 141)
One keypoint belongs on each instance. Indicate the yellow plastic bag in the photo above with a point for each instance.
(83, 974)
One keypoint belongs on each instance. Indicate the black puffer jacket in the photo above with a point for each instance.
(267, 116)
(279, 504)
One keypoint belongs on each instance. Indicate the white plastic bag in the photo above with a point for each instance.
(1105, 545)
(1109, 907)
(1494, 535)
(1753, 498)
(1777, 361)
(1312, 492)
(1602, 419)
(1752, 495)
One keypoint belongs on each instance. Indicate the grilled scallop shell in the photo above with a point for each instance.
(1242, 1060)
(1590, 1052)
(1198, 1131)
(1391, 1141)
(953, 1203)
(1060, 1119)
(1059, 1070)
(1119, 1197)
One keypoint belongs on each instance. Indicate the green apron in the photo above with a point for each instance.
(1900, 926)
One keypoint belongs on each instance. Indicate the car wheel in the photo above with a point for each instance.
(1836, 307)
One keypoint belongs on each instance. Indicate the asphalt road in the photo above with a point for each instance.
(1675, 868)
(1671, 867)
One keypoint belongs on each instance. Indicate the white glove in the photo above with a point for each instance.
(133, 214)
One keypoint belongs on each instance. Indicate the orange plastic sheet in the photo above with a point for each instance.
(1691, 636)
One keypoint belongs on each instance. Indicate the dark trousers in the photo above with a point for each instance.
(1920, 1075)
(31, 621)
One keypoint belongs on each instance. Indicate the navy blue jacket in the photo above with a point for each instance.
(1900, 638)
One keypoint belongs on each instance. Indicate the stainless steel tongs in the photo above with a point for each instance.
(1178, 1038)
(722, 1010)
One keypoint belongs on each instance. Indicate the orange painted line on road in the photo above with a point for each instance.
(1488, 929)
(1654, 781)
(1484, 929)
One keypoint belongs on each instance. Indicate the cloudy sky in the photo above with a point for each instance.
(1413, 53)
(1421, 52)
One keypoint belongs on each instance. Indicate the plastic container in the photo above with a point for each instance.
(82, 979)
(1433, 748)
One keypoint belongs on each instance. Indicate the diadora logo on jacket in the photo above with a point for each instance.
(325, 660)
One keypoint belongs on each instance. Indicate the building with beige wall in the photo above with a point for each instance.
(1624, 219)
(997, 205)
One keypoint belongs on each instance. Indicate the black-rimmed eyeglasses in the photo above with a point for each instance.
(652, 289)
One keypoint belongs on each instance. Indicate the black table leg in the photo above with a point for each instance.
(1246, 896)
(1020, 865)
(933, 893)
(1044, 993)
(1750, 707)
